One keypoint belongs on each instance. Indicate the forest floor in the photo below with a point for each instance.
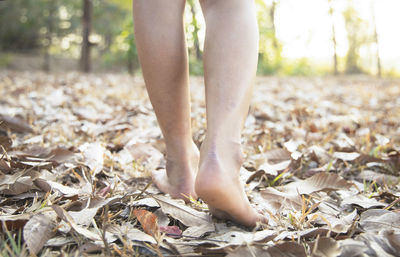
(322, 161)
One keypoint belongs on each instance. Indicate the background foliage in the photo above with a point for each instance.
(50, 31)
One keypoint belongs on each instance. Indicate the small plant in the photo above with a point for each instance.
(11, 245)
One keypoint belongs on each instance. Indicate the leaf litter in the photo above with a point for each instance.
(77, 151)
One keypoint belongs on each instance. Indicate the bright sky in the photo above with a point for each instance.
(304, 28)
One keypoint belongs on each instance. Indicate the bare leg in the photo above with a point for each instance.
(161, 45)
(230, 62)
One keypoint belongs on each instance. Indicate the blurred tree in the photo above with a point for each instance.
(376, 39)
(53, 27)
(270, 58)
(119, 45)
(195, 31)
(50, 23)
(20, 24)
(335, 60)
(87, 11)
(356, 37)
(109, 18)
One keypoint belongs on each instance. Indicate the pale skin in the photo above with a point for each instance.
(230, 62)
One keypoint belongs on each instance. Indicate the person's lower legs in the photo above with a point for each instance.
(230, 63)
(160, 41)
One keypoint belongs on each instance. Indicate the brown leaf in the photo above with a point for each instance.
(378, 219)
(93, 156)
(361, 200)
(41, 154)
(5, 142)
(148, 220)
(14, 124)
(351, 247)
(172, 231)
(47, 186)
(247, 251)
(277, 155)
(346, 156)
(135, 234)
(286, 249)
(341, 224)
(65, 216)
(5, 166)
(325, 247)
(145, 154)
(384, 243)
(181, 212)
(235, 238)
(275, 200)
(380, 178)
(84, 217)
(14, 222)
(15, 184)
(316, 183)
(198, 231)
(38, 230)
(306, 234)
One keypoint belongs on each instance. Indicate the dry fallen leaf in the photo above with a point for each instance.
(70, 221)
(385, 243)
(198, 231)
(14, 222)
(178, 210)
(378, 219)
(15, 184)
(14, 124)
(286, 249)
(325, 247)
(39, 229)
(93, 154)
(134, 234)
(47, 186)
(316, 183)
(5, 143)
(346, 156)
(56, 126)
(172, 231)
(148, 220)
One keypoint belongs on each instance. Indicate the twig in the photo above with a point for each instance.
(392, 204)
(103, 234)
(4, 152)
(143, 190)
(196, 238)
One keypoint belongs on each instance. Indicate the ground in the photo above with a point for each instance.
(322, 161)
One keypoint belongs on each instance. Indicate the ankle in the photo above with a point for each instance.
(221, 153)
(181, 151)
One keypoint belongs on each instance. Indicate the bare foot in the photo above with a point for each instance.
(218, 185)
(179, 176)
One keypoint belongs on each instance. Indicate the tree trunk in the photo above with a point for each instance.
(50, 29)
(378, 58)
(275, 43)
(335, 62)
(85, 65)
(195, 34)
(272, 17)
(131, 66)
